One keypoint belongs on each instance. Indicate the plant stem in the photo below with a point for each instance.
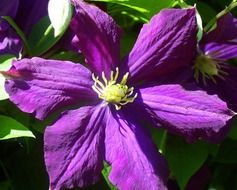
(219, 15)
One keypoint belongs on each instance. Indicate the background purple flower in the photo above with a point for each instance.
(219, 46)
(209, 69)
(78, 142)
(25, 13)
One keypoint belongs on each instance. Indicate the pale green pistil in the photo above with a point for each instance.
(112, 92)
(207, 68)
(115, 93)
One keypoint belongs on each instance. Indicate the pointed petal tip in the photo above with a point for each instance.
(42, 86)
(102, 36)
(192, 114)
(11, 75)
(161, 42)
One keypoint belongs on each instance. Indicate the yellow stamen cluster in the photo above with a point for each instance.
(208, 68)
(112, 92)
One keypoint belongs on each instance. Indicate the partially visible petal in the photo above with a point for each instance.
(226, 30)
(193, 114)
(221, 51)
(10, 42)
(167, 42)
(74, 148)
(225, 88)
(44, 86)
(135, 161)
(97, 37)
(30, 12)
(7, 8)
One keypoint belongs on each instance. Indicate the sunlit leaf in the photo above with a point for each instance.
(42, 38)
(5, 64)
(148, 7)
(10, 128)
(60, 14)
(105, 173)
(200, 28)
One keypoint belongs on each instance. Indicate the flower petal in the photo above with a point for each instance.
(164, 44)
(30, 12)
(74, 148)
(44, 86)
(221, 51)
(10, 42)
(220, 34)
(97, 37)
(136, 162)
(193, 114)
(225, 88)
(7, 8)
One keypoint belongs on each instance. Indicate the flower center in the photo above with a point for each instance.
(118, 94)
(208, 68)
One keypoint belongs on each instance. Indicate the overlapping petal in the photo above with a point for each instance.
(25, 13)
(74, 148)
(7, 8)
(44, 86)
(221, 51)
(226, 30)
(193, 114)
(97, 37)
(10, 42)
(167, 42)
(136, 163)
(225, 88)
(30, 12)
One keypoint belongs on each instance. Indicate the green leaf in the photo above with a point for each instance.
(200, 28)
(185, 159)
(206, 11)
(41, 38)
(211, 25)
(233, 130)
(227, 152)
(5, 61)
(10, 128)
(125, 17)
(5, 64)
(60, 14)
(105, 173)
(5, 185)
(223, 177)
(148, 7)
(24, 163)
(127, 42)
(69, 56)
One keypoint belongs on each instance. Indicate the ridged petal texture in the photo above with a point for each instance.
(45, 86)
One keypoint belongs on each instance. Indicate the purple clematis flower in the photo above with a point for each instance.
(115, 100)
(210, 69)
(25, 13)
